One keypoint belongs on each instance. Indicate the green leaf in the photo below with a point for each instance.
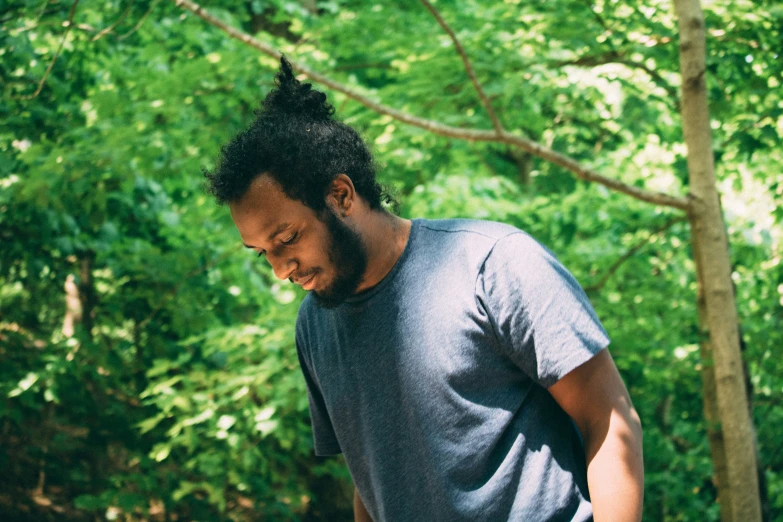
(266, 427)
(25, 384)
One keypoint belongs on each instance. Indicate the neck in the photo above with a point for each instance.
(385, 236)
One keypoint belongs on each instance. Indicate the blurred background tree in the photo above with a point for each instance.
(149, 370)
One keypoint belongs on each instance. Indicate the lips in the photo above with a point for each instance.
(307, 283)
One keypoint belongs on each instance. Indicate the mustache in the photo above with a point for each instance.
(302, 276)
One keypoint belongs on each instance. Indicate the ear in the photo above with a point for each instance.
(342, 196)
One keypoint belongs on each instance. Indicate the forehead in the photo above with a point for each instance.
(265, 207)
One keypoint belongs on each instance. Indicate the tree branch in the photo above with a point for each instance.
(468, 67)
(56, 55)
(655, 76)
(363, 65)
(110, 28)
(42, 11)
(28, 335)
(633, 251)
(140, 23)
(619, 58)
(435, 127)
(597, 16)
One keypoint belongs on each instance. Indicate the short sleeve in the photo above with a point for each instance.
(541, 316)
(324, 438)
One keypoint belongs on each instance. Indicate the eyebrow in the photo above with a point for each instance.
(280, 228)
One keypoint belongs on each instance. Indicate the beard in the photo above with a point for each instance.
(348, 256)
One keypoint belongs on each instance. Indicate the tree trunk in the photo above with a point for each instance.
(87, 292)
(711, 254)
(73, 307)
(720, 476)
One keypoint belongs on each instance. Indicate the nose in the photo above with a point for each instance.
(282, 267)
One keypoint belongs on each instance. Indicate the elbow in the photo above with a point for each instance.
(622, 431)
(633, 436)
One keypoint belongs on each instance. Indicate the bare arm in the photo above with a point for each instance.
(360, 513)
(596, 398)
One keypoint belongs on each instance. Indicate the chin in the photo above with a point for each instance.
(326, 301)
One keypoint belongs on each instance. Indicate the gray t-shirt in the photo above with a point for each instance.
(433, 383)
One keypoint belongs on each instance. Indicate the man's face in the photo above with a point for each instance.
(317, 251)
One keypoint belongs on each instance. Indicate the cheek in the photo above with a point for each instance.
(315, 256)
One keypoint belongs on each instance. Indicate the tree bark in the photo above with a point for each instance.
(720, 478)
(87, 292)
(73, 307)
(711, 254)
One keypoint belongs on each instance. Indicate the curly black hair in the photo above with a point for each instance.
(295, 140)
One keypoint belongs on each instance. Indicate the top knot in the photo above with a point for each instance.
(296, 98)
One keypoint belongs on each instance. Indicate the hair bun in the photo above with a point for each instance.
(295, 98)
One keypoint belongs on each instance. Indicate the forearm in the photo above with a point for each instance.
(360, 513)
(615, 471)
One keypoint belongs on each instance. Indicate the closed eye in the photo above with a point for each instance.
(290, 239)
(287, 241)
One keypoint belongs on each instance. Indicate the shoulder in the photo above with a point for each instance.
(521, 248)
(521, 266)
(467, 228)
(470, 237)
(486, 246)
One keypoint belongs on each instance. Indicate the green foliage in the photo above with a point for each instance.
(177, 393)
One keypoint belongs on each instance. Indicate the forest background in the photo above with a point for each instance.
(148, 367)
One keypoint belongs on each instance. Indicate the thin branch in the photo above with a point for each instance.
(56, 55)
(633, 251)
(656, 77)
(28, 335)
(582, 172)
(87, 28)
(140, 23)
(468, 67)
(119, 20)
(42, 11)
(614, 56)
(619, 58)
(11, 12)
(597, 16)
(364, 65)
(435, 127)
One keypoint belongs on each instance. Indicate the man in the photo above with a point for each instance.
(456, 364)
